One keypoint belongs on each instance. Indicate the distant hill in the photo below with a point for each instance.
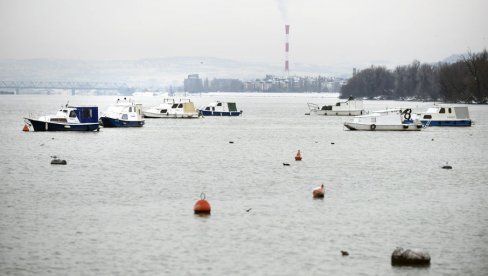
(154, 72)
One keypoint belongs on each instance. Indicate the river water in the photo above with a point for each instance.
(124, 203)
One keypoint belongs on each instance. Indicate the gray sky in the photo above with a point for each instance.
(323, 32)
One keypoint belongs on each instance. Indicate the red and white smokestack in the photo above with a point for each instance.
(287, 49)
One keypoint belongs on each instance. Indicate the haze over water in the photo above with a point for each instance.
(123, 204)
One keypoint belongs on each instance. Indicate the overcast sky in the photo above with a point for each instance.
(323, 32)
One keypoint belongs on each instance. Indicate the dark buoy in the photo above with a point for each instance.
(286, 164)
(298, 157)
(447, 166)
(202, 207)
(344, 253)
(332, 143)
(248, 210)
(401, 257)
(57, 161)
(319, 192)
(231, 142)
(432, 139)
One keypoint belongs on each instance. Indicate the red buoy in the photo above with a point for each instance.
(202, 207)
(319, 192)
(298, 157)
(26, 128)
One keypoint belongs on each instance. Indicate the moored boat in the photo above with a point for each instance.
(391, 119)
(219, 108)
(351, 107)
(445, 115)
(124, 113)
(68, 118)
(170, 108)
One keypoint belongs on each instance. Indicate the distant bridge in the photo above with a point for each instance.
(122, 88)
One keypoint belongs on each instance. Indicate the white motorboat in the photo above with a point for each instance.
(391, 119)
(219, 108)
(170, 108)
(351, 107)
(124, 113)
(445, 115)
(68, 118)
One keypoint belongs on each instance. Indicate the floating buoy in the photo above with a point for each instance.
(332, 143)
(231, 142)
(298, 157)
(58, 162)
(415, 257)
(447, 166)
(202, 207)
(26, 128)
(286, 164)
(319, 192)
(344, 253)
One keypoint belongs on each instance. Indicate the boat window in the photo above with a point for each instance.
(180, 105)
(450, 111)
(87, 113)
(72, 114)
(163, 111)
(208, 108)
(130, 108)
(124, 117)
(174, 106)
(219, 104)
(65, 111)
(427, 116)
(338, 104)
(442, 110)
(63, 120)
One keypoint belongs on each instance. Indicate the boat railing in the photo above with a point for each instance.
(313, 106)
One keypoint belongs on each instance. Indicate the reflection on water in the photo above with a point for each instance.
(124, 203)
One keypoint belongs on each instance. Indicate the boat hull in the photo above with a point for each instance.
(337, 113)
(220, 113)
(455, 123)
(51, 126)
(111, 122)
(169, 116)
(372, 127)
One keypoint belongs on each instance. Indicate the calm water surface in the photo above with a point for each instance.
(123, 204)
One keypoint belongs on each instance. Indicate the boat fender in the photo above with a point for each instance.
(405, 126)
(373, 127)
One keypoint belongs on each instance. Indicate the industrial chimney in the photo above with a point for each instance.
(287, 48)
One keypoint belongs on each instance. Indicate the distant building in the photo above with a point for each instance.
(193, 84)
(228, 85)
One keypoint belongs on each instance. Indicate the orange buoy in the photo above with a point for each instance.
(298, 157)
(202, 207)
(318, 192)
(26, 128)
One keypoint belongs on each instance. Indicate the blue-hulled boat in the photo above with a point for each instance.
(124, 113)
(68, 118)
(220, 109)
(445, 115)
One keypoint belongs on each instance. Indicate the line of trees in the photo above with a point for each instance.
(463, 81)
